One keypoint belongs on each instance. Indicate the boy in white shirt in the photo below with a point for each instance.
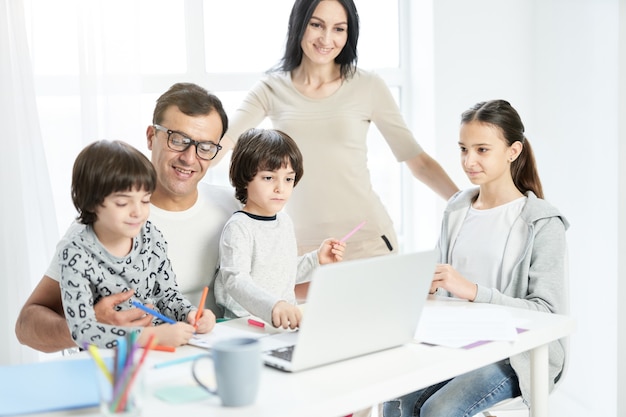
(259, 262)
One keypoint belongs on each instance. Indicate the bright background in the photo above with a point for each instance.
(75, 71)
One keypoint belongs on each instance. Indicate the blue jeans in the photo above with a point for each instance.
(461, 396)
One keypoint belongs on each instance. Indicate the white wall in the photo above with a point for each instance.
(556, 61)
(621, 293)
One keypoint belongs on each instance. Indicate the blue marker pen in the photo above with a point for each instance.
(153, 312)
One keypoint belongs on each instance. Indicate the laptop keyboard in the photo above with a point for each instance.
(285, 353)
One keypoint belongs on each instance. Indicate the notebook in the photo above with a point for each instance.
(355, 308)
(48, 386)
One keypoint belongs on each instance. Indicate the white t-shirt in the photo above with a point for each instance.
(193, 239)
(478, 250)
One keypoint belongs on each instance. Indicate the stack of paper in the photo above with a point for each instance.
(224, 331)
(460, 326)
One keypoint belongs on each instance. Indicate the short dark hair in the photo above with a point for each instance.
(192, 100)
(299, 18)
(262, 150)
(105, 167)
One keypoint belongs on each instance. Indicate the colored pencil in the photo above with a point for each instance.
(353, 231)
(153, 312)
(200, 311)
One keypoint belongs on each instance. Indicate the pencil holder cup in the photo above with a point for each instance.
(122, 395)
(236, 370)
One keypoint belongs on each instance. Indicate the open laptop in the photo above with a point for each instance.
(354, 308)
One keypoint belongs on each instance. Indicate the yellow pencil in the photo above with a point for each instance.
(95, 354)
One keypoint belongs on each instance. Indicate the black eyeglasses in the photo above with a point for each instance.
(178, 142)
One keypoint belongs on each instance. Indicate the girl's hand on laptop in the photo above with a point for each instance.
(330, 251)
(286, 315)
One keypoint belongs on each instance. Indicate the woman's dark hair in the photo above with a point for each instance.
(192, 100)
(501, 114)
(299, 18)
(262, 150)
(105, 167)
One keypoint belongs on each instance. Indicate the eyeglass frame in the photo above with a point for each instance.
(189, 143)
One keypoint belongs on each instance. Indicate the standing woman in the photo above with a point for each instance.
(500, 243)
(319, 97)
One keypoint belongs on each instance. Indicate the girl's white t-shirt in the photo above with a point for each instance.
(479, 247)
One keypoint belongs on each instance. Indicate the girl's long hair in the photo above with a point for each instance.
(501, 114)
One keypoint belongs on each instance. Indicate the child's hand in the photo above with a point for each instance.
(175, 335)
(331, 251)
(451, 280)
(206, 322)
(286, 315)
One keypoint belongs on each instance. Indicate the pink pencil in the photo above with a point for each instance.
(256, 323)
(353, 231)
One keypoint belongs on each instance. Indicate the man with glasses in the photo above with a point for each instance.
(187, 126)
(177, 141)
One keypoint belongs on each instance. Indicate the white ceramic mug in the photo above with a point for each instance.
(237, 366)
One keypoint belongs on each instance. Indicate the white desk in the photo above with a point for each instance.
(341, 388)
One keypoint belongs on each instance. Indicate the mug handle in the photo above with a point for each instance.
(195, 377)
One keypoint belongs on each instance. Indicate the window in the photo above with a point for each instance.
(100, 65)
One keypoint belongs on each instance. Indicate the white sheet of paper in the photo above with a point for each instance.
(459, 326)
(223, 332)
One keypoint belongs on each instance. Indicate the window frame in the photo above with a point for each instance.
(417, 225)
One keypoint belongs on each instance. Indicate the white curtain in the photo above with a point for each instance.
(28, 228)
(81, 96)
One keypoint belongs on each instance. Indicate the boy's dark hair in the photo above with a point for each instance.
(262, 150)
(192, 100)
(105, 167)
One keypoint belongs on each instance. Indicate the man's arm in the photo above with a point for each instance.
(41, 324)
